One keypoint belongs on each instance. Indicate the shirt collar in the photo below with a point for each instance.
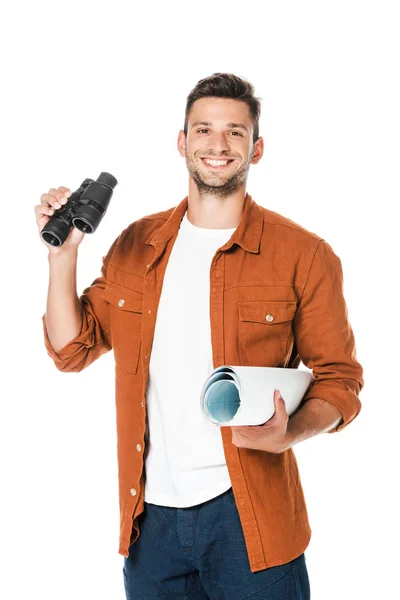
(247, 234)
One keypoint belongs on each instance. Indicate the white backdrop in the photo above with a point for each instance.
(92, 86)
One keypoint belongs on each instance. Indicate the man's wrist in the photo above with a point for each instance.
(289, 439)
(64, 255)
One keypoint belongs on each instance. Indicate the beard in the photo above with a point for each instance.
(216, 184)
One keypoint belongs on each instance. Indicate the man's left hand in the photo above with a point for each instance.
(271, 436)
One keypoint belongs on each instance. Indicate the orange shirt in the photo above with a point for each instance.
(270, 265)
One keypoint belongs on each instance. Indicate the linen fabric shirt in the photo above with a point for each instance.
(269, 266)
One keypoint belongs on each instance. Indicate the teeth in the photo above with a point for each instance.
(216, 163)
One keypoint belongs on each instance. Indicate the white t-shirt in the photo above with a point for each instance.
(184, 459)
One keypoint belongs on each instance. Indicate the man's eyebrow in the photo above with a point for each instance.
(231, 125)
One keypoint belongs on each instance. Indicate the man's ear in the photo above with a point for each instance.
(258, 151)
(182, 143)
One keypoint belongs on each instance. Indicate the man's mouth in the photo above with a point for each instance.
(217, 164)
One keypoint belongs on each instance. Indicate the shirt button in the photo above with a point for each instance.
(121, 302)
(148, 266)
(142, 403)
(132, 492)
(138, 447)
(269, 317)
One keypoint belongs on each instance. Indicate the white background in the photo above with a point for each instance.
(95, 86)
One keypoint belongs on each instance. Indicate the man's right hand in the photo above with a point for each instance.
(49, 203)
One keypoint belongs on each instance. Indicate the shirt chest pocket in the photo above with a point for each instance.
(126, 315)
(264, 331)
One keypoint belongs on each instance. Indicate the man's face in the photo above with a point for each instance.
(219, 129)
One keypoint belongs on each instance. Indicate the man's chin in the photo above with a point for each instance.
(222, 190)
(211, 185)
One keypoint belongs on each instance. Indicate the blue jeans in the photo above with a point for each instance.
(199, 553)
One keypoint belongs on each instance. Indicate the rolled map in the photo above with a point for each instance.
(238, 395)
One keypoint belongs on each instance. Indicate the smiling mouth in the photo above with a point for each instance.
(217, 165)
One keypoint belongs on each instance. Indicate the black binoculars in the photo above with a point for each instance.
(84, 210)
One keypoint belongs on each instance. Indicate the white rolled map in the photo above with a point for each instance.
(241, 395)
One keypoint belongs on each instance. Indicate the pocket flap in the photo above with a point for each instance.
(267, 311)
(123, 298)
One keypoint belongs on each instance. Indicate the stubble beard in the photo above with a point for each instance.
(221, 188)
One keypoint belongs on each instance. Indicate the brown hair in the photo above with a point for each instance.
(226, 85)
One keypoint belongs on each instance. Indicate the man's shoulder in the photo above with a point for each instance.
(274, 218)
(134, 236)
(287, 227)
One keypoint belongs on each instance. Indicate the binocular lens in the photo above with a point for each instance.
(57, 234)
(51, 239)
(82, 225)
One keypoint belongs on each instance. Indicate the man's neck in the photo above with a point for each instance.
(214, 212)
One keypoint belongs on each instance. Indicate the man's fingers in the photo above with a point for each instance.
(64, 190)
(56, 197)
(43, 209)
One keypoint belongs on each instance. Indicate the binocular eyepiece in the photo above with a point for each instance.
(84, 210)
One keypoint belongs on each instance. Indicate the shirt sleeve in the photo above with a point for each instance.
(94, 339)
(324, 337)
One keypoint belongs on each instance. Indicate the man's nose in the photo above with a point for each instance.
(218, 141)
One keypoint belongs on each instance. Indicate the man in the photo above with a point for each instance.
(217, 512)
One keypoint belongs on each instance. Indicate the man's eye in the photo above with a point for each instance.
(237, 133)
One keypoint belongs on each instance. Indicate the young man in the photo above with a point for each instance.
(218, 279)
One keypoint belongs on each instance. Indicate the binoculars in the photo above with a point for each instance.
(84, 210)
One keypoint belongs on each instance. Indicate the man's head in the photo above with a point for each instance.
(221, 122)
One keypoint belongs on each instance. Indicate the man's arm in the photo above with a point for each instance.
(281, 432)
(92, 331)
(64, 310)
(314, 417)
(325, 342)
